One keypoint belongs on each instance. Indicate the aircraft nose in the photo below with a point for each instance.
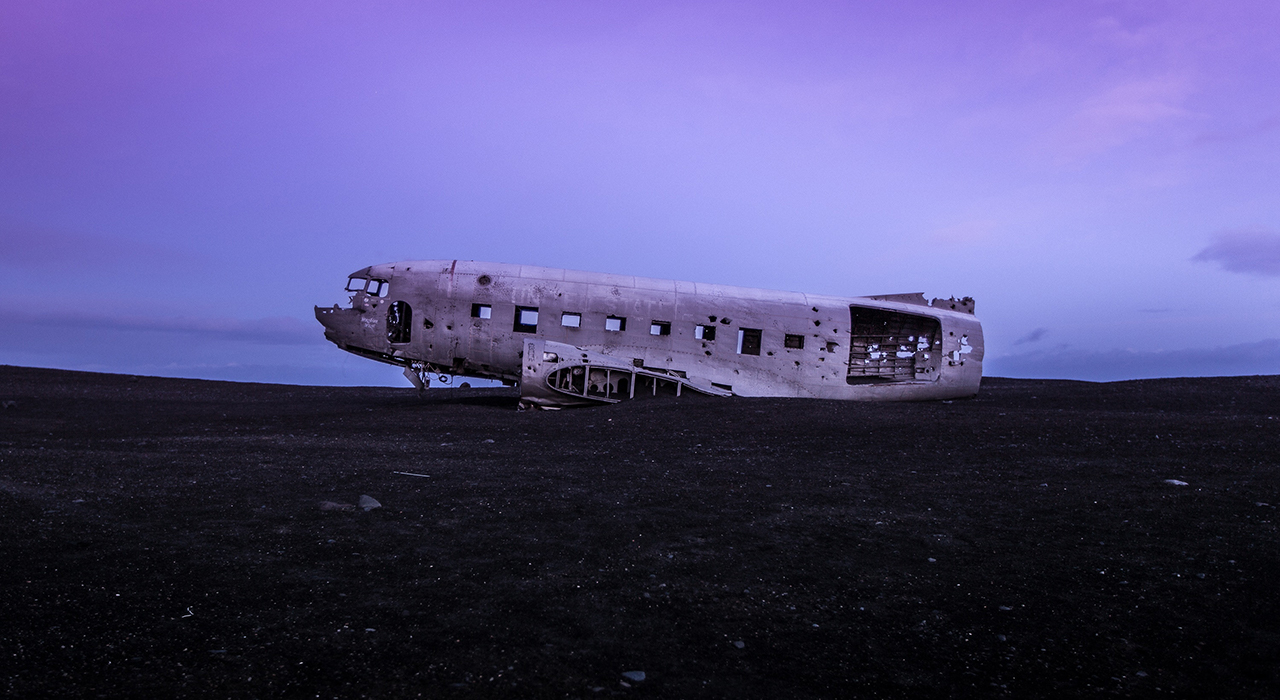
(324, 314)
(338, 326)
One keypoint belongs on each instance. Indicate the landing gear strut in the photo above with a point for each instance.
(417, 374)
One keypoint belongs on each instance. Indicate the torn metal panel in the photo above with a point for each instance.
(579, 338)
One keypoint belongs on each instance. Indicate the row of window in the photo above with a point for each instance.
(526, 321)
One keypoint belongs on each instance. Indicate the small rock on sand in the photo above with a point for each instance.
(369, 503)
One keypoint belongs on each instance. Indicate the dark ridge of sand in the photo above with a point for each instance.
(167, 537)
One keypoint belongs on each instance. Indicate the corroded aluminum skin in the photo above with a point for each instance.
(446, 338)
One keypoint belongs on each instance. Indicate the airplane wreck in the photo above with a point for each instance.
(571, 338)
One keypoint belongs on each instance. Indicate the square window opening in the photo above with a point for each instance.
(795, 342)
(526, 320)
(749, 341)
(704, 332)
(571, 320)
(615, 323)
(660, 328)
(481, 311)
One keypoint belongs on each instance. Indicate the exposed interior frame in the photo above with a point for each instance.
(892, 346)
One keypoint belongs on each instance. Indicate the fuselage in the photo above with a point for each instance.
(514, 322)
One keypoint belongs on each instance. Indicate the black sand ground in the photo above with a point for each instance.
(165, 537)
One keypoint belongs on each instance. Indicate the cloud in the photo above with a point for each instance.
(966, 233)
(1261, 357)
(271, 331)
(40, 247)
(1239, 134)
(1252, 252)
(1032, 337)
(1124, 112)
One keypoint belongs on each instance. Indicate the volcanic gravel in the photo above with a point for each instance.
(170, 537)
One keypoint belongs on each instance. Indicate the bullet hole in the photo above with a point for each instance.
(483, 280)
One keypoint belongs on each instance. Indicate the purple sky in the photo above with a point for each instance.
(179, 185)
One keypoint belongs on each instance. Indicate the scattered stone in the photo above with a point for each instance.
(1141, 674)
(1001, 637)
(10, 404)
(488, 441)
(330, 505)
(1005, 608)
(740, 644)
(636, 676)
(932, 560)
(1175, 482)
(369, 503)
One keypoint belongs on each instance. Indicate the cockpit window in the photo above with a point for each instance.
(375, 288)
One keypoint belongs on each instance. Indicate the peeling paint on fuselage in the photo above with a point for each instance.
(507, 322)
